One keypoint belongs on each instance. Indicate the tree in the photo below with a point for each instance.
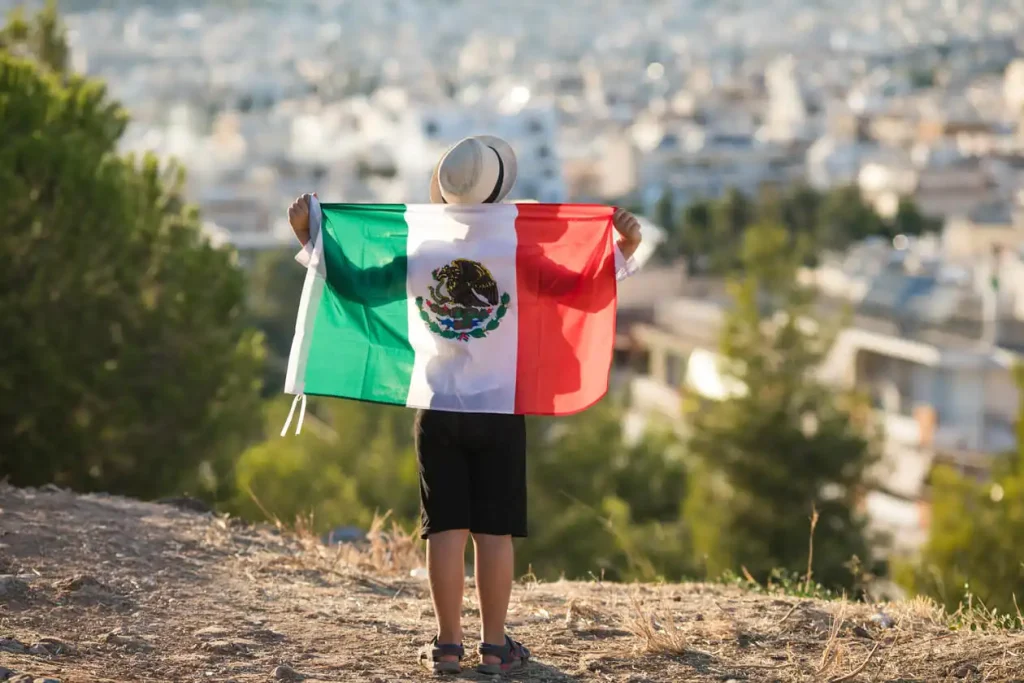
(910, 221)
(273, 290)
(125, 364)
(800, 209)
(730, 217)
(846, 218)
(975, 536)
(41, 37)
(665, 216)
(695, 234)
(782, 444)
(603, 503)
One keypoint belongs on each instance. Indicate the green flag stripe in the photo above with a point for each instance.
(360, 346)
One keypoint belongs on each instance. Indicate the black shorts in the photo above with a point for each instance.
(472, 472)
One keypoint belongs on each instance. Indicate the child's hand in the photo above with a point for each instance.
(298, 216)
(627, 225)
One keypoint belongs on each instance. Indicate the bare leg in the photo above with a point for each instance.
(446, 565)
(494, 569)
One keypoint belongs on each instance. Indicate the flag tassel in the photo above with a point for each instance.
(291, 414)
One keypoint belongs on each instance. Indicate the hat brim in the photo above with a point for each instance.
(508, 160)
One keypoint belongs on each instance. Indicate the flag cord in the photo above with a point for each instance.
(291, 414)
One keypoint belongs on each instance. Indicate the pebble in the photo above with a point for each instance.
(77, 583)
(212, 632)
(264, 634)
(226, 647)
(5, 673)
(51, 646)
(883, 620)
(965, 671)
(12, 586)
(12, 645)
(286, 673)
(129, 642)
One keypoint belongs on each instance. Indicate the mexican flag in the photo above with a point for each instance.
(499, 308)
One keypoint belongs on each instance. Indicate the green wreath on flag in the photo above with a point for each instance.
(459, 315)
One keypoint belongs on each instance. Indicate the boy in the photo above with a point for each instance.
(473, 465)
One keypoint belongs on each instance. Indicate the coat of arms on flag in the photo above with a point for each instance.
(465, 303)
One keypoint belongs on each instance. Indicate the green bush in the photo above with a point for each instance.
(974, 544)
(350, 461)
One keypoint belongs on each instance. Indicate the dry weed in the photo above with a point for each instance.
(578, 612)
(653, 635)
(388, 550)
(832, 655)
(385, 551)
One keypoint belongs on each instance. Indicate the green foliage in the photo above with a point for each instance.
(273, 290)
(709, 233)
(350, 461)
(781, 446)
(972, 555)
(781, 582)
(601, 504)
(845, 218)
(41, 37)
(910, 221)
(125, 365)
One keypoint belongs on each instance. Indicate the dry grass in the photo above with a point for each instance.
(651, 634)
(216, 600)
(388, 550)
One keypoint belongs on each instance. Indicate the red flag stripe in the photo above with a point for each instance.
(565, 272)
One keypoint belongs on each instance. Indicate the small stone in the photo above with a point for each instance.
(12, 586)
(22, 678)
(861, 632)
(286, 673)
(227, 647)
(51, 646)
(12, 645)
(77, 582)
(212, 632)
(965, 671)
(883, 620)
(264, 634)
(51, 488)
(127, 641)
(5, 673)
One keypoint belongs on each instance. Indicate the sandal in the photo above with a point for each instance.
(430, 656)
(512, 654)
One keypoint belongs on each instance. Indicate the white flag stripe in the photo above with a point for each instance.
(309, 304)
(478, 375)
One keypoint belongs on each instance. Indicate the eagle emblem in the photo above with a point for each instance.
(464, 301)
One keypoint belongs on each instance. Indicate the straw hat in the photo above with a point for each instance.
(476, 170)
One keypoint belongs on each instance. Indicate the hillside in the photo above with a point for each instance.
(100, 588)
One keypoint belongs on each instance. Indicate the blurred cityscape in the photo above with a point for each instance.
(629, 102)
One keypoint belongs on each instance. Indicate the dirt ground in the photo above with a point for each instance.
(100, 588)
